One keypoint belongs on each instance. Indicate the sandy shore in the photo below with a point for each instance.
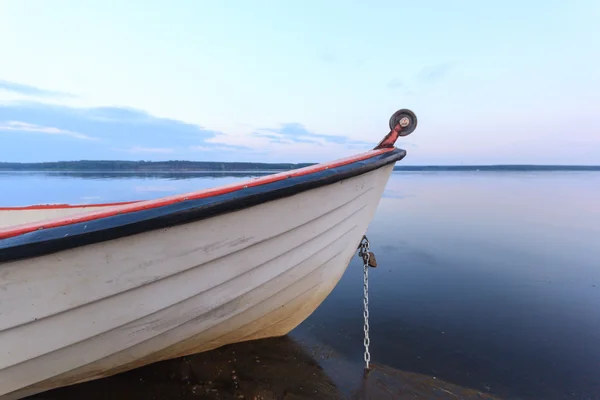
(280, 368)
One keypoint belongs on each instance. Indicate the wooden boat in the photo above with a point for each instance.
(90, 291)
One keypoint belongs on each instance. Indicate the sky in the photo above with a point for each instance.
(508, 82)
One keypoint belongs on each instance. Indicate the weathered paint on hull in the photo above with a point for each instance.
(88, 313)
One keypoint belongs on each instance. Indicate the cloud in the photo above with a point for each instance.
(395, 84)
(295, 132)
(17, 126)
(120, 133)
(292, 142)
(113, 124)
(59, 133)
(158, 150)
(27, 90)
(327, 56)
(427, 75)
(434, 73)
(213, 147)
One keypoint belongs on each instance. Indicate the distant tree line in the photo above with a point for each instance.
(212, 166)
(176, 165)
(514, 167)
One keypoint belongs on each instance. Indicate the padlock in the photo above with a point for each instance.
(372, 260)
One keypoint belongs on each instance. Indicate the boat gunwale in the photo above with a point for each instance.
(124, 219)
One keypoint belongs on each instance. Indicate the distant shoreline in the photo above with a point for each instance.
(507, 167)
(116, 166)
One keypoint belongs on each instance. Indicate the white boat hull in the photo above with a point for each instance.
(94, 311)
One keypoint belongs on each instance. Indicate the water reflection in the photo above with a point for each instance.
(28, 188)
(486, 282)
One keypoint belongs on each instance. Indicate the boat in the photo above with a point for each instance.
(89, 291)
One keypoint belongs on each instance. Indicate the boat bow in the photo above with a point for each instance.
(90, 291)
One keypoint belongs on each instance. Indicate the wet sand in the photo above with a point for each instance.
(268, 369)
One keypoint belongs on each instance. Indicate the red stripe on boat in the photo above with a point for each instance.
(122, 208)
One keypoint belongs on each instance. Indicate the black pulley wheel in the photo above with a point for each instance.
(408, 125)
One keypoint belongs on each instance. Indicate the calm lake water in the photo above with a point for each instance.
(486, 280)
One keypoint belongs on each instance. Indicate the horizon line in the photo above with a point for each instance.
(289, 162)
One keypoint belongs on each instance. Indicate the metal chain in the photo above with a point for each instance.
(364, 254)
